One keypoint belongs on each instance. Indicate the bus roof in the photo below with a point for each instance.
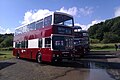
(44, 17)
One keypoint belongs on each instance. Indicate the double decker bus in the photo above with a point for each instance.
(81, 41)
(48, 39)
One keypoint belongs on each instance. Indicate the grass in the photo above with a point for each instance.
(112, 49)
(4, 55)
(103, 47)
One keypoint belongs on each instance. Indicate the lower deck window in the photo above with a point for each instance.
(40, 43)
(17, 45)
(48, 42)
(23, 44)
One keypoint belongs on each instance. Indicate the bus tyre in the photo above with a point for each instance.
(18, 56)
(39, 58)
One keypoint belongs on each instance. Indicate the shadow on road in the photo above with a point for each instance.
(5, 64)
(93, 60)
(100, 55)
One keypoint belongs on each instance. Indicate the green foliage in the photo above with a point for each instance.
(106, 32)
(110, 37)
(94, 41)
(6, 40)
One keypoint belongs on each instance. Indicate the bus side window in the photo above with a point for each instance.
(31, 26)
(26, 44)
(19, 31)
(25, 29)
(39, 24)
(48, 21)
(40, 43)
(17, 45)
(23, 44)
(47, 42)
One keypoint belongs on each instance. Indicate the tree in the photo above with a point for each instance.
(110, 38)
(6, 40)
(110, 29)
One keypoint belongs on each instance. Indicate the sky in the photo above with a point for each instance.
(14, 13)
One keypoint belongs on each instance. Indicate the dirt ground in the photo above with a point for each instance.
(93, 66)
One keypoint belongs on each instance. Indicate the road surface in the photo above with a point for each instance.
(94, 66)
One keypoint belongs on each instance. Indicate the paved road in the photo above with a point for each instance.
(18, 69)
(84, 69)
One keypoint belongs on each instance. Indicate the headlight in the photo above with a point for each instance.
(57, 55)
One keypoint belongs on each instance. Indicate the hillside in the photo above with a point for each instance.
(106, 32)
(6, 40)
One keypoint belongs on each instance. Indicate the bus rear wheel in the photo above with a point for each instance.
(39, 58)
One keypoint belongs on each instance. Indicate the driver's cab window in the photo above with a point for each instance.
(48, 42)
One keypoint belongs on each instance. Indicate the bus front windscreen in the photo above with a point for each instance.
(65, 20)
(62, 43)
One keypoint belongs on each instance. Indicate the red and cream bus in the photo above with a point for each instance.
(48, 39)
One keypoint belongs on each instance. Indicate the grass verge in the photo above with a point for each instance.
(111, 49)
(4, 55)
(103, 47)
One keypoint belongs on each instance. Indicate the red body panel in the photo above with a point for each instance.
(40, 33)
(32, 53)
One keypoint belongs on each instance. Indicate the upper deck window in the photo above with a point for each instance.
(31, 26)
(63, 20)
(47, 21)
(39, 24)
(18, 31)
